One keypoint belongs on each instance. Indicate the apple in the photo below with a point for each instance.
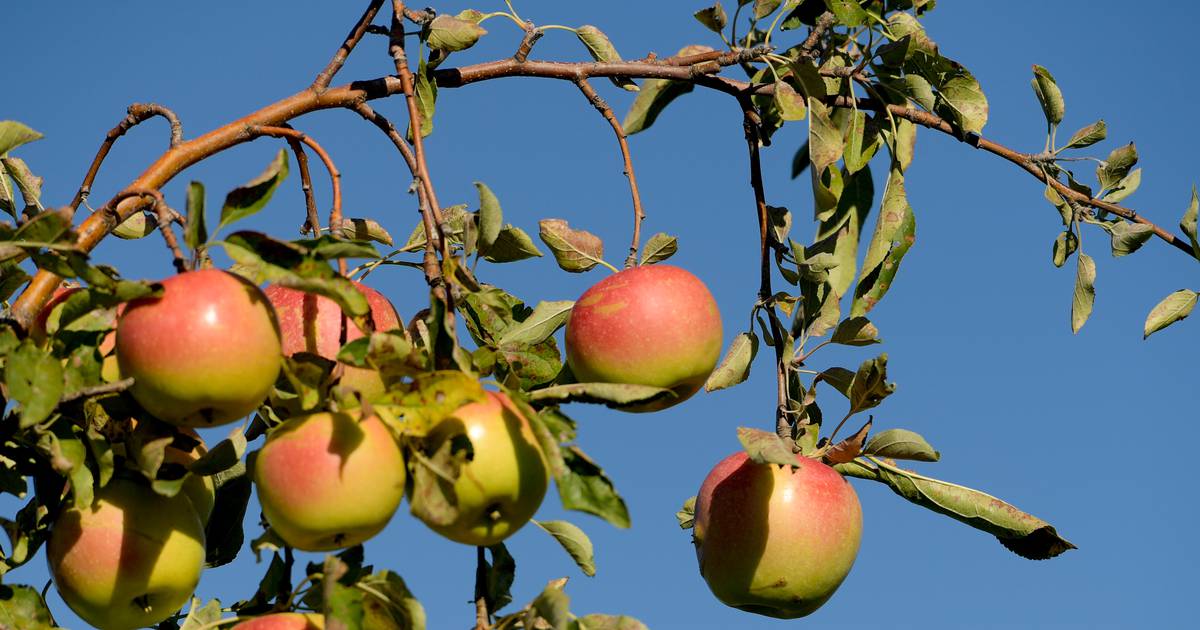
(205, 353)
(284, 621)
(772, 541)
(651, 325)
(501, 487)
(109, 370)
(131, 559)
(313, 323)
(329, 480)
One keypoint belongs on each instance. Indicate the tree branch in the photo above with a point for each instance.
(136, 114)
(638, 214)
(312, 221)
(343, 52)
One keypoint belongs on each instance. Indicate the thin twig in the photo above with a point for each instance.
(166, 217)
(483, 619)
(824, 22)
(97, 390)
(343, 51)
(532, 35)
(402, 146)
(136, 114)
(312, 220)
(639, 214)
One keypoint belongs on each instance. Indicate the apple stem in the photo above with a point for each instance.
(483, 618)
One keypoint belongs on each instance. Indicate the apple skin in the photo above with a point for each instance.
(507, 476)
(206, 353)
(313, 323)
(328, 481)
(284, 621)
(131, 548)
(651, 325)
(775, 542)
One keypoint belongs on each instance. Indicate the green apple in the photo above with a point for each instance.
(314, 323)
(651, 325)
(205, 353)
(329, 480)
(501, 487)
(131, 559)
(284, 621)
(774, 541)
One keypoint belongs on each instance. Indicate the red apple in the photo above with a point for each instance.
(774, 541)
(284, 621)
(500, 489)
(329, 480)
(314, 323)
(131, 559)
(650, 325)
(205, 353)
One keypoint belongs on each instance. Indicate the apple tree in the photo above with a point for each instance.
(341, 413)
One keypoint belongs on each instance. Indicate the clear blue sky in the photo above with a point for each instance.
(1081, 430)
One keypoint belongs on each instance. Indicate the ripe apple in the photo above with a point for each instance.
(131, 559)
(109, 370)
(650, 325)
(284, 621)
(313, 323)
(772, 541)
(329, 480)
(205, 353)
(501, 487)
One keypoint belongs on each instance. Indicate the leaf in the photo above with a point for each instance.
(765, 447)
(869, 386)
(500, 572)
(895, 232)
(250, 197)
(838, 378)
(223, 535)
(1023, 534)
(847, 449)
(660, 247)
(586, 488)
(425, 92)
(34, 378)
(1087, 136)
(550, 609)
(687, 514)
(1085, 292)
(546, 319)
(763, 8)
(195, 233)
(1117, 166)
(201, 617)
(862, 142)
(713, 17)
(14, 134)
(511, 245)
(491, 218)
(1188, 223)
(789, 102)
(901, 444)
(608, 622)
(224, 456)
(1048, 94)
(1064, 245)
(824, 149)
(364, 230)
(452, 34)
(1127, 186)
(856, 331)
(847, 12)
(655, 95)
(22, 607)
(342, 604)
(735, 367)
(574, 542)
(615, 395)
(575, 251)
(1129, 237)
(962, 103)
(602, 49)
(1171, 309)
(138, 225)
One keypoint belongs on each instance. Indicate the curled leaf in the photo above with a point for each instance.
(575, 251)
(601, 48)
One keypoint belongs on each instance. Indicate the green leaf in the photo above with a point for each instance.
(1173, 308)
(608, 622)
(847, 12)
(224, 456)
(426, 94)
(364, 230)
(765, 447)
(1021, 533)
(546, 319)
(1087, 136)
(687, 514)
(22, 607)
(1064, 245)
(585, 488)
(550, 609)
(713, 17)
(202, 616)
(901, 444)
(789, 102)
(491, 218)
(824, 149)
(451, 34)
(195, 234)
(293, 266)
(735, 367)
(249, 198)
(602, 49)
(574, 542)
(615, 395)
(138, 225)
(13, 134)
(856, 331)
(862, 142)
(342, 603)
(1127, 186)
(34, 378)
(1188, 223)
(1129, 237)
(511, 245)
(655, 95)
(962, 103)
(223, 535)
(389, 604)
(895, 232)
(660, 247)
(763, 8)
(575, 251)
(1048, 94)
(1117, 166)
(1085, 292)
(500, 572)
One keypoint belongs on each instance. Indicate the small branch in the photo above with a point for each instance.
(312, 221)
(532, 35)
(97, 390)
(136, 114)
(343, 52)
(167, 216)
(483, 619)
(824, 22)
(420, 18)
(639, 214)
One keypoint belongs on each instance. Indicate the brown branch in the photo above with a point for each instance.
(167, 216)
(639, 214)
(483, 619)
(824, 22)
(393, 134)
(136, 114)
(532, 35)
(312, 220)
(343, 51)
(97, 390)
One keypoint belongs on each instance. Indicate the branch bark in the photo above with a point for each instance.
(343, 51)
(136, 114)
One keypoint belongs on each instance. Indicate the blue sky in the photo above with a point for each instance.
(1087, 431)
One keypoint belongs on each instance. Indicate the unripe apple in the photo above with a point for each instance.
(313, 323)
(205, 353)
(651, 325)
(284, 621)
(774, 541)
(329, 480)
(501, 487)
(131, 559)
